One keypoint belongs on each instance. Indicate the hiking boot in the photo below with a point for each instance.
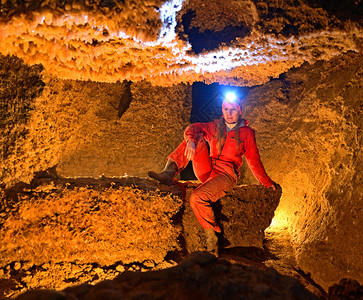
(167, 175)
(212, 241)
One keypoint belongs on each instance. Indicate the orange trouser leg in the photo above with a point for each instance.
(202, 164)
(210, 191)
(214, 184)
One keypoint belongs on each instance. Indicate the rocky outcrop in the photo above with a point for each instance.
(61, 222)
(129, 220)
(56, 231)
(20, 85)
(345, 289)
(244, 214)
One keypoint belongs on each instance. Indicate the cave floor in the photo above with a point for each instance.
(17, 277)
(277, 254)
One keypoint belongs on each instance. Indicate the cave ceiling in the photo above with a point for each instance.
(237, 42)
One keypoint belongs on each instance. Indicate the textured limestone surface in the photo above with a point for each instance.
(65, 220)
(85, 129)
(74, 221)
(244, 214)
(309, 128)
(308, 121)
(20, 85)
(167, 42)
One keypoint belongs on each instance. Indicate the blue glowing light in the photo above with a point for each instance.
(231, 97)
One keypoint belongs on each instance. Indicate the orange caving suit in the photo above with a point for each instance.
(218, 172)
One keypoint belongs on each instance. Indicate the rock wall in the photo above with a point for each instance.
(309, 132)
(86, 129)
(309, 129)
(20, 85)
(103, 144)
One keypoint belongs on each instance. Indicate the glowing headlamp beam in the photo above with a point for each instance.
(231, 97)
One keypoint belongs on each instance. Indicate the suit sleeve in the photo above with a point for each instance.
(253, 160)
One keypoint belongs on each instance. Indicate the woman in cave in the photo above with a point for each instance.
(229, 138)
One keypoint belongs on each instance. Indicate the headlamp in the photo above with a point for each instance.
(230, 97)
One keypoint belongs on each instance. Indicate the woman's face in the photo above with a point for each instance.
(230, 112)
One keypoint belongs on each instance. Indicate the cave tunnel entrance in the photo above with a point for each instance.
(206, 107)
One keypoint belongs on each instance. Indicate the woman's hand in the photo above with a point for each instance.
(190, 150)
